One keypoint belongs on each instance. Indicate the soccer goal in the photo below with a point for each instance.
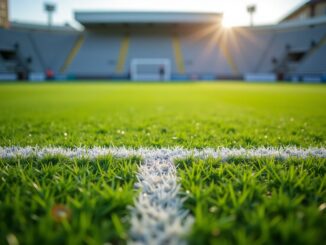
(150, 70)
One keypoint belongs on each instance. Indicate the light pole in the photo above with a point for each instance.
(49, 8)
(251, 9)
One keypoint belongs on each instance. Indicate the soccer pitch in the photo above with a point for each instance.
(162, 163)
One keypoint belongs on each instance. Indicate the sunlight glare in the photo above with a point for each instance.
(229, 21)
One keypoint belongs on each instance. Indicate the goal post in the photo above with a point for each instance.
(150, 70)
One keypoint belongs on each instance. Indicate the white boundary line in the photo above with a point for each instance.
(166, 153)
(157, 216)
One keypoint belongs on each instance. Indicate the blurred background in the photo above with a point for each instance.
(144, 40)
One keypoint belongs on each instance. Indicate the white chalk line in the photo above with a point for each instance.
(162, 153)
(157, 216)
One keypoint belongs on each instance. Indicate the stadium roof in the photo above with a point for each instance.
(307, 4)
(40, 27)
(114, 17)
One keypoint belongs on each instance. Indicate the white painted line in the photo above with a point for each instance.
(166, 153)
(157, 216)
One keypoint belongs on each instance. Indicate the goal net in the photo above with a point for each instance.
(150, 70)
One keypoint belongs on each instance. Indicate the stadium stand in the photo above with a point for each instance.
(247, 44)
(97, 55)
(19, 45)
(33, 50)
(316, 62)
(287, 42)
(52, 48)
(2, 66)
(203, 55)
(196, 45)
(147, 46)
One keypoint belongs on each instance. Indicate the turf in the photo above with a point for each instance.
(257, 201)
(183, 114)
(96, 194)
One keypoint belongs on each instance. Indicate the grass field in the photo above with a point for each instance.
(190, 115)
(241, 201)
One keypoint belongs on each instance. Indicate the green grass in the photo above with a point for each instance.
(184, 114)
(96, 193)
(258, 201)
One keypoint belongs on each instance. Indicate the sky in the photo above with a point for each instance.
(235, 12)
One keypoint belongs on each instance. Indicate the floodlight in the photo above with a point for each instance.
(49, 8)
(251, 9)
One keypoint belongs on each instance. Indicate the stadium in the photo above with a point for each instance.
(187, 46)
(163, 127)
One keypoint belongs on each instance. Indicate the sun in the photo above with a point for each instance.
(228, 22)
